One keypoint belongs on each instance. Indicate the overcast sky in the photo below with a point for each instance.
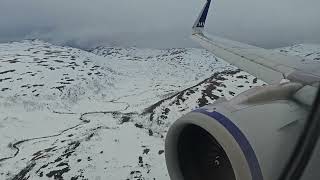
(159, 23)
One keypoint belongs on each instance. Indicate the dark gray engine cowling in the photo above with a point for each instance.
(241, 139)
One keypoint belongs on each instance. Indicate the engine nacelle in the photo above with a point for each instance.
(248, 138)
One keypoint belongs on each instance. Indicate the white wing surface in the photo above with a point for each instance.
(265, 64)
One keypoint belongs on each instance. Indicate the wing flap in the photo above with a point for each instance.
(260, 71)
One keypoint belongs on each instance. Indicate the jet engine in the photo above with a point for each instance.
(249, 137)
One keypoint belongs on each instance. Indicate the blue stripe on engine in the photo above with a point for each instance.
(241, 140)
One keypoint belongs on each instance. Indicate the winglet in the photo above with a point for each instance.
(201, 20)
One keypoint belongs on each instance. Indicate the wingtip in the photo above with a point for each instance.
(201, 20)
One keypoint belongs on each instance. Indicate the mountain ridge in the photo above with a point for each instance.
(66, 113)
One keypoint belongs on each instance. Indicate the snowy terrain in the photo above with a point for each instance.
(66, 113)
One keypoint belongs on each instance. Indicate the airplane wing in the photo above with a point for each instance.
(267, 65)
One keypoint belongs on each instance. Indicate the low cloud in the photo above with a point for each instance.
(155, 23)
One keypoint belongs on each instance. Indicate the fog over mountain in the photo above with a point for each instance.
(161, 24)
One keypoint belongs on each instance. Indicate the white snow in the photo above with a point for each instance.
(71, 114)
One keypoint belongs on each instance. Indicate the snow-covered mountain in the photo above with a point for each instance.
(66, 113)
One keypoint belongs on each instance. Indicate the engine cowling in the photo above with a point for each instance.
(249, 137)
